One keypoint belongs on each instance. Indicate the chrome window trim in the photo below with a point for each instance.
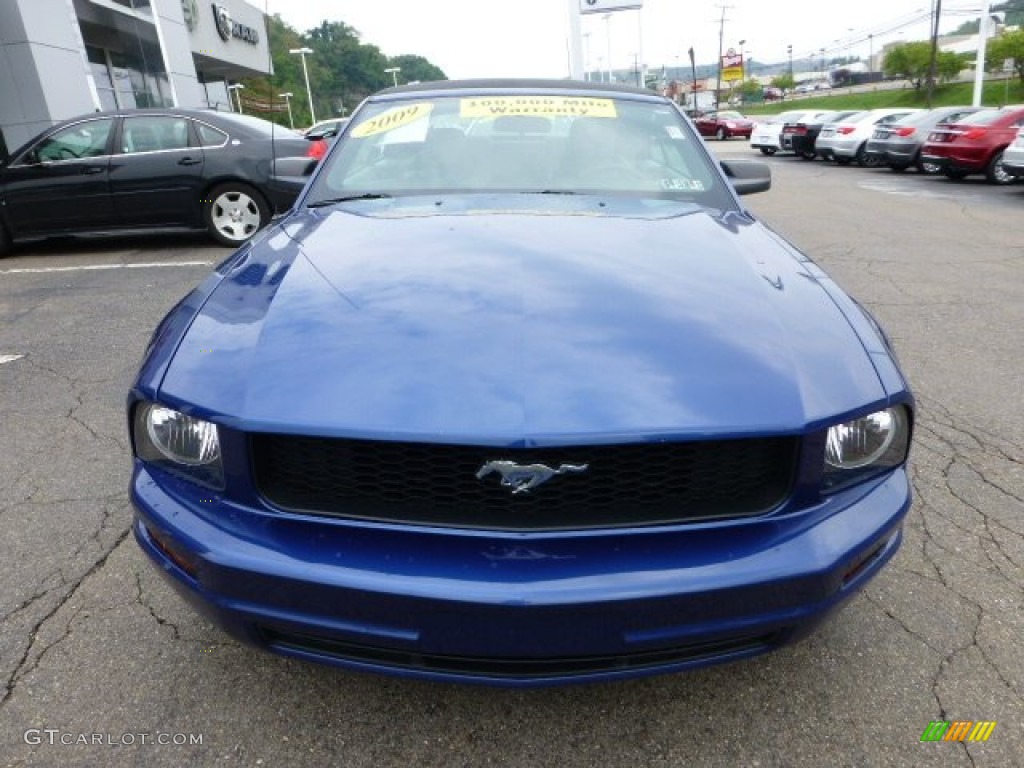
(227, 136)
(19, 161)
(126, 118)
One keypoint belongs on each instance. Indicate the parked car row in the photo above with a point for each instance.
(955, 141)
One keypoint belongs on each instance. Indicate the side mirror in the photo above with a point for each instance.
(748, 176)
(322, 133)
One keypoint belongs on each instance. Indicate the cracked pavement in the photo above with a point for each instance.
(94, 641)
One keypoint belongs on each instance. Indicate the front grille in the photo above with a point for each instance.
(623, 485)
(328, 649)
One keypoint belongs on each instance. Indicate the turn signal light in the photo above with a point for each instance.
(975, 133)
(905, 131)
(845, 129)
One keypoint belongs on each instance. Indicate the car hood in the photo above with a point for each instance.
(524, 327)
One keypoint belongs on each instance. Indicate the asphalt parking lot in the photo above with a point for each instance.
(95, 648)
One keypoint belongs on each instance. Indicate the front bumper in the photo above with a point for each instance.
(516, 609)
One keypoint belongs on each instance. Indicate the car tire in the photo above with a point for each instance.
(720, 134)
(864, 160)
(808, 154)
(6, 246)
(995, 172)
(928, 169)
(233, 212)
(768, 151)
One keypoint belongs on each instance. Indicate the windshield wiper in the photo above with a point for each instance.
(336, 200)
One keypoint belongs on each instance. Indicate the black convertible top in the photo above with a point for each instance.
(518, 84)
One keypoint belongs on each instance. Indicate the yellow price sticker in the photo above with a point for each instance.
(546, 106)
(392, 118)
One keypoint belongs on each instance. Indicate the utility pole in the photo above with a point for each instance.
(979, 64)
(936, 12)
(721, 36)
(693, 72)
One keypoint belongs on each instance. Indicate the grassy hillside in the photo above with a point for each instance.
(994, 94)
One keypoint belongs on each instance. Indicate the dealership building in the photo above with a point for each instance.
(62, 58)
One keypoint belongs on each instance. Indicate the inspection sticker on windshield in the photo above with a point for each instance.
(688, 185)
(392, 118)
(549, 106)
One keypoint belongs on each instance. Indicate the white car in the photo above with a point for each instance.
(1013, 156)
(847, 140)
(767, 133)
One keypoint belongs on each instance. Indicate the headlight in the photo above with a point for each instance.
(179, 443)
(864, 446)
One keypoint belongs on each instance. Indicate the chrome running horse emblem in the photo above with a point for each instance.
(522, 478)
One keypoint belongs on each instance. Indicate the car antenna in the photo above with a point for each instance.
(273, 90)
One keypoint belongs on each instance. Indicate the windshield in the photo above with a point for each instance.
(985, 117)
(521, 143)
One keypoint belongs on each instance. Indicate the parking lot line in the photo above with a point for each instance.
(89, 267)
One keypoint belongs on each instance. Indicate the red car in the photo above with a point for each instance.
(975, 144)
(724, 124)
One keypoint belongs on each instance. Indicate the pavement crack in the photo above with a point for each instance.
(24, 665)
(152, 611)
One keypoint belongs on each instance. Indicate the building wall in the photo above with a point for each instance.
(174, 39)
(44, 76)
(207, 42)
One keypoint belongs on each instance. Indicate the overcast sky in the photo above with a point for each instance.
(528, 38)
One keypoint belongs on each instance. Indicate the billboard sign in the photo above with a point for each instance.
(732, 66)
(604, 6)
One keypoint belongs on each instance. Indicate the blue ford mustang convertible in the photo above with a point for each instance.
(519, 393)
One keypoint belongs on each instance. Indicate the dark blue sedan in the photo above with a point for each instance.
(519, 393)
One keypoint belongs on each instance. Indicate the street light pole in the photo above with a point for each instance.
(305, 73)
(586, 55)
(288, 100)
(393, 71)
(743, 64)
(789, 50)
(608, 43)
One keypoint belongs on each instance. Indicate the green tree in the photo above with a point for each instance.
(342, 72)
(751, 91)
(415, 69)
(783, 82)
(1009, 45)
(912, 61)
